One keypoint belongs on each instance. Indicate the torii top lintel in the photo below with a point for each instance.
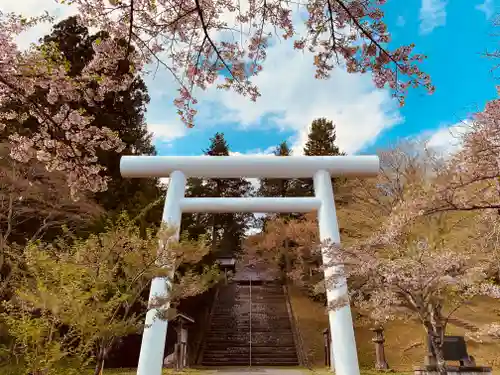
(249, 166)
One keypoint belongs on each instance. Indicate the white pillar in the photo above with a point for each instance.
(345, 357)
(155, 331)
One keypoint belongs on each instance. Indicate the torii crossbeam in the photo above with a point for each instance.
(320, 168)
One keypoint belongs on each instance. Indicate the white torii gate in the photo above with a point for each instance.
(320, 168)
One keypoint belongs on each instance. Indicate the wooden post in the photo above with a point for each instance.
(184, 342)
(177, 362)
(326, 338)
(380, 361)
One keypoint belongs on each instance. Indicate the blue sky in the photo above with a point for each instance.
(453, 34)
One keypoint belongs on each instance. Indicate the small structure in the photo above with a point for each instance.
(454, 349)
(227, 264)
(179, 358)
(380, 361)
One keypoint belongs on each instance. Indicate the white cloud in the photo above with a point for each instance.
(432, 15)
(167, 132)
(447, 140)
(32, 8)
(487, 7)
(292, 98)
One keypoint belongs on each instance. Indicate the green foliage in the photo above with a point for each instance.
(225, 231)
(273, 187)
(75, 297)
(321, 141)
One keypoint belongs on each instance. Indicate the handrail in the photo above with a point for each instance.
(297, 336)
(208, 321)
(250, 323)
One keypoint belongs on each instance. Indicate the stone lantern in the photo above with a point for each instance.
(380, 361)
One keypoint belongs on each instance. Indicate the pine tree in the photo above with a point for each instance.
(123, 112)
(225, 230)
(321, 139)
(276, 187)
(229, 229)
(320, 142)
(195, 225)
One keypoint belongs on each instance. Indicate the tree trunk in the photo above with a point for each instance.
(98, 364)
(102, 356)
(288, 260)
(435, 334)
(441, 363)
(214, 234)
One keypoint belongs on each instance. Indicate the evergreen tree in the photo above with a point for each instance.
(321, 139)
(228, 229)
(277, 187)
(122, 112)
(196, 224)
(225, 231)
(320, 142)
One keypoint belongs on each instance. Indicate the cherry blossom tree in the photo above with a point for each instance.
(422, 274)
(197, 43)
(468, 182)
(22, 73)
(404, 262)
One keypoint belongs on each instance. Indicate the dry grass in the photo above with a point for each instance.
(165, 372)
(404, 340)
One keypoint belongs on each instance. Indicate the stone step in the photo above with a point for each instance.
(247, 297)
(258, 293)
(257, 336)
(245, 329)
(225, 343)
(237, 310)
(240, 310)
(230, 341)
(255, 360)
(272, 303)
(275, 330)
(246, 325)
(255, 349)
(255, 293)
(228, 321)
(270, 354)
(246, 362)
(259, 308)
(260, 348)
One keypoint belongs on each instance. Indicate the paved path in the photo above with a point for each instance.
(256, 371)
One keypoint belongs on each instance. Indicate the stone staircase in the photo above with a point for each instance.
(250, 326)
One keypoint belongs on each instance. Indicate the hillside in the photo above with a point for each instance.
(404, 340)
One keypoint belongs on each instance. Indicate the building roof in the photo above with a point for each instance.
(226, 262)
(183, 317)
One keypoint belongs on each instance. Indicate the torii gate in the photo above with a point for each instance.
(320, 168)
